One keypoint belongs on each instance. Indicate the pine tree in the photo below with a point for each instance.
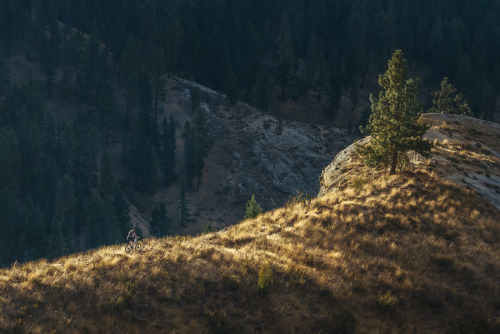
(33, 226)
(157, 64)
(203, 143)
(106, 177)
(262, 89)
(91, 70)
(95, 224)
(70, 61)
(144, 165)
(4, 78)
(334, 91)
(183, 207)
(231, 86)
(65, 210)
(121, 211)
(10, 158)
(87, 169)
(67, 149)
(168, 151)
(57, 241)
(10, 21)
(106, 106)
(145, 124)
(197, 144)
(448, 100)
(253, 208)
(160, 223)
(283, 77)
(111, 225)
(132, 96)
(65, 201)
(189, 152)
(394, 123)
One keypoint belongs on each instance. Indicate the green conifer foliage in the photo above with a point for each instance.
(121, 211)
(189, 152)
(183, 207)
(106, 177)
(253, 208)
(160, 223)
(203, 144)
(197, 145)
(168, 151)
(4, 78)
(232, 86)
(394, 120)
(448, 100)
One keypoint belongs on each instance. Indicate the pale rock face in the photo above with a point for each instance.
(253, 153)
(466, 152)
(335, 173)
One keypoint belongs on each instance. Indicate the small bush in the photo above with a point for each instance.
(126, 295)
(387, 302)
(253, 208)
(209, 228)
(165, 276)
(266, 278)
(358, 183)
(300, 198)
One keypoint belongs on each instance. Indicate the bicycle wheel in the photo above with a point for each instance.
(138, 246)
(128, 248)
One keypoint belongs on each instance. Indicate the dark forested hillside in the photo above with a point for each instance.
(247, 47)
(57, 190)
(56, 183)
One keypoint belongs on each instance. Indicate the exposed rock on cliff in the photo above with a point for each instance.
(466, 151)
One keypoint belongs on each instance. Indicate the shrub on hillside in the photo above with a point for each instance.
(266, 278)
(253, 208)
(386, 302)
(299, 198)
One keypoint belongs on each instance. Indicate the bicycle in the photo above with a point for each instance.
(137, 246)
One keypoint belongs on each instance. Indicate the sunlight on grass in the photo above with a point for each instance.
(393, 250)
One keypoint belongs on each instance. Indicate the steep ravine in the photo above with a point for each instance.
(253, 153)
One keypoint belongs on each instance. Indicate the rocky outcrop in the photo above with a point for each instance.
(334, 175)
(253, 153)
(466, 151)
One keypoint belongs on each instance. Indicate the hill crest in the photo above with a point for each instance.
(466, 152)
(405, 253)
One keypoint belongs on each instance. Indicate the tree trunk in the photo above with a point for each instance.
(394, 161)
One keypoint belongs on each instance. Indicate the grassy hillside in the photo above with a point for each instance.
(407, 253)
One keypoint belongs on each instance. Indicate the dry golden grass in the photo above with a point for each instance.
(409, 253)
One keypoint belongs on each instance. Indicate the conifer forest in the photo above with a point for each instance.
(58, 190)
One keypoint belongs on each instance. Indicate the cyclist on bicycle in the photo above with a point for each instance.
(132, 236)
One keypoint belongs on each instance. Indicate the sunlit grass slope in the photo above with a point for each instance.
(409, 253)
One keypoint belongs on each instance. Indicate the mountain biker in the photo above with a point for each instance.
(132, 236)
